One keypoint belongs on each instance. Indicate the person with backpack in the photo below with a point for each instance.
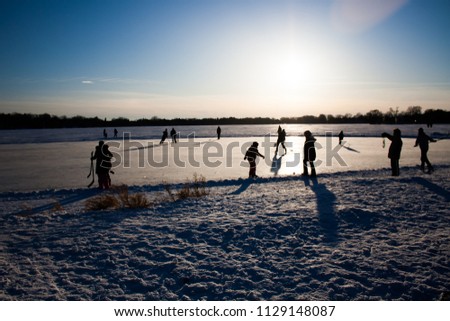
(103, 165)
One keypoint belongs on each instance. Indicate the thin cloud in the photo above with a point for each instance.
(355, 16)
(87, 82)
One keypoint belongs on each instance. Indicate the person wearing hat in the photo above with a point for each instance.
(395, 150)
(251, 155)
(309, 154)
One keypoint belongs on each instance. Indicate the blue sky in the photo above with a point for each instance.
(219, 58)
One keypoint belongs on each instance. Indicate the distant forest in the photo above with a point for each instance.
(411, 115)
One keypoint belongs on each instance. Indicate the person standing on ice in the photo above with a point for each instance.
(309, 154)
(103, 164)
(219, 132)
(422, 141)
(173, 134)
(395, 150)
(341, 137)
(251, 155)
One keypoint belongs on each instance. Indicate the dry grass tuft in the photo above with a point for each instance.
(120, 198)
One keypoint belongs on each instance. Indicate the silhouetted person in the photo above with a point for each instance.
(251, 155)
(341, 137)
(309, 154)
(115, 132)
(103, 164)
(105, 134)
(422, 141)
(173, 134)
(280, 140)
(164, 136)
(395, 150)
(219, 131)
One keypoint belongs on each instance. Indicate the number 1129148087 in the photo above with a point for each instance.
(296, 311)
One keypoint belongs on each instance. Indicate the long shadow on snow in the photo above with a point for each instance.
(431, 186)
(325, 207)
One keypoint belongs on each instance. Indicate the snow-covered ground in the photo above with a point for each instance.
(354, 233)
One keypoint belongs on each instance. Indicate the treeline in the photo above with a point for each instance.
(413, 114)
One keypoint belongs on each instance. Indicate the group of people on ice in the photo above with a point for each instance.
(103, 156)
(395, 150)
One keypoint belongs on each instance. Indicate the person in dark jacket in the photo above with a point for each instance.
(395, 150)
(281, 139)
(422, 141)
(219, 132)
(251, 155)
(173, 134)
(341, 137)
(103, 165)
(164, 136)
(309, 154)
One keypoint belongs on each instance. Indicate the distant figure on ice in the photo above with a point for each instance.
(173, 134)
(219, 131)
(422, 141)
(105, 134)
(250, 155)
(280, 140)
(115, 132)
(395, 150)
(309, 154)
(103, 164)
(341, 137)
(164, 136)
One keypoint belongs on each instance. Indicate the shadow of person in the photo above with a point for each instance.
(325, 204)
(276, 164)
(243, 187)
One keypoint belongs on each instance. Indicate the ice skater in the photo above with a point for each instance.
(164, 136)
(251, 155)
(219, 132)
(105, 134)
(395, 150)
(280, 140)
(173, 134)
(422, 141)
(309, 154)
(341, 137)
(115, 132)
(103, 165)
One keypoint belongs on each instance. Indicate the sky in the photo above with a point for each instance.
(223, 58)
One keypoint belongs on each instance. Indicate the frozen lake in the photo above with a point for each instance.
(56, 165)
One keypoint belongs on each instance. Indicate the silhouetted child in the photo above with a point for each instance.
(251, 155)
(422, 141)
(280, 140)
(309, 154)
(341, 137)
(395, 150)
